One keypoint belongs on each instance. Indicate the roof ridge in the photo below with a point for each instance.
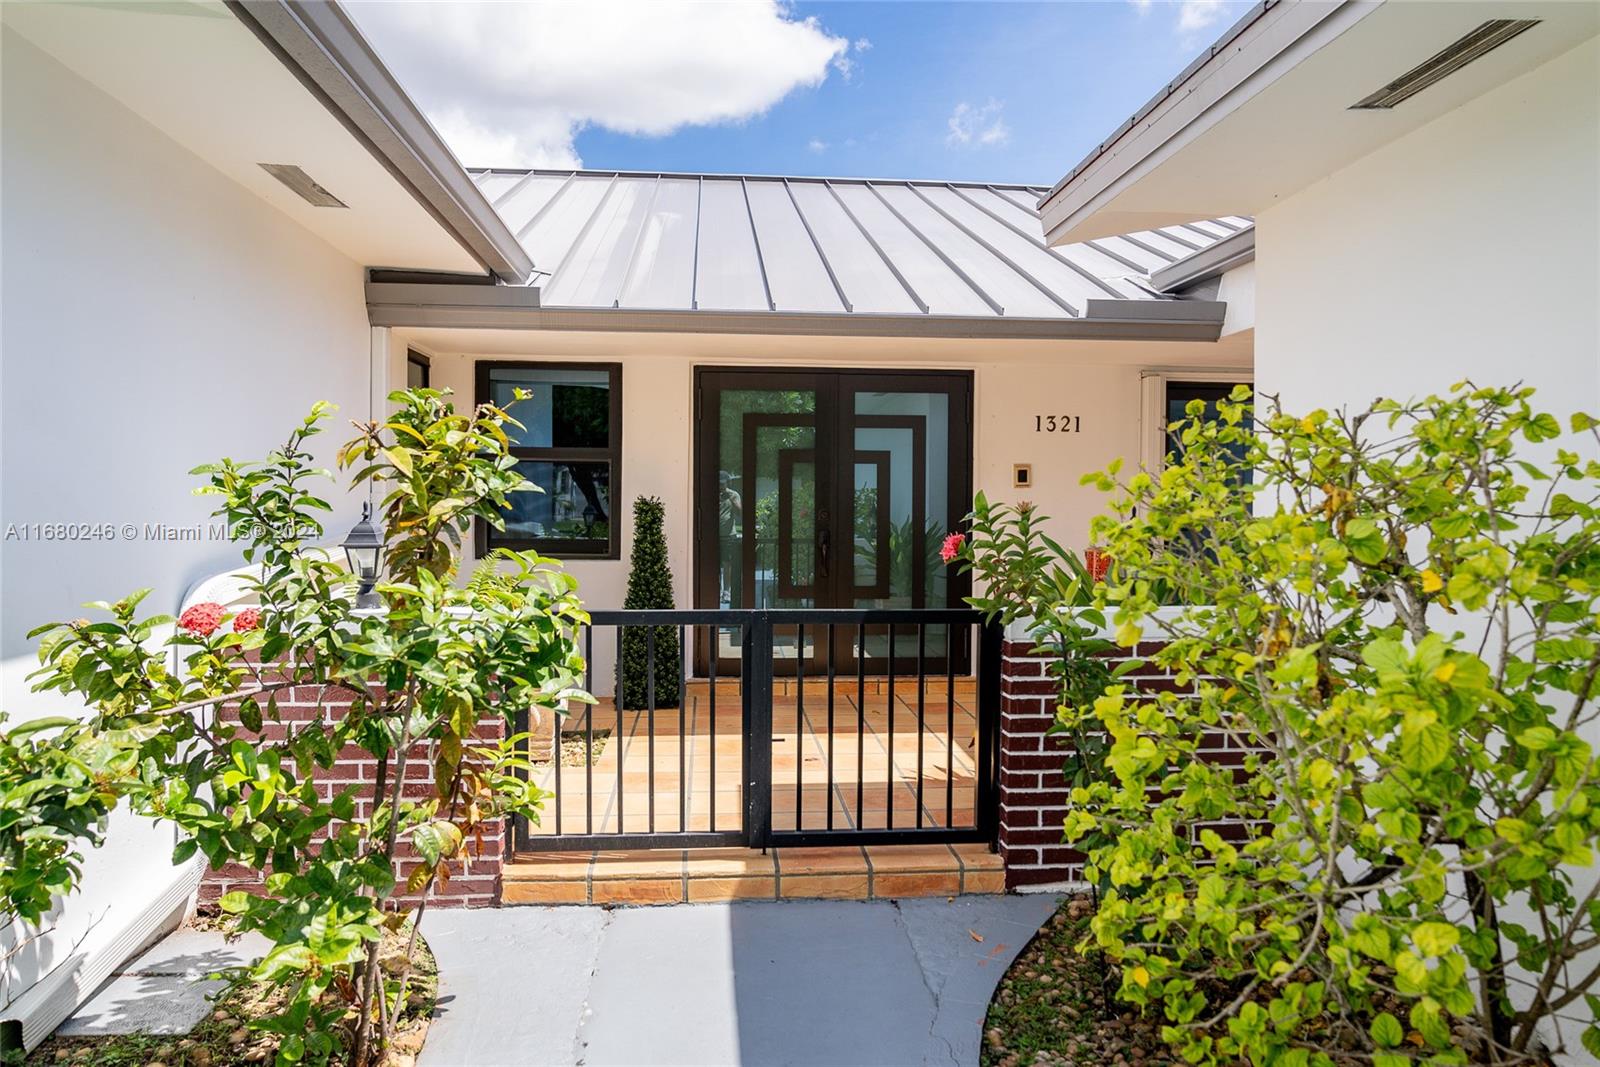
(607, 172)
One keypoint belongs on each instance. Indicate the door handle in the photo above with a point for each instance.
(822, 551)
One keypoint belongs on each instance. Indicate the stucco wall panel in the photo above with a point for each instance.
(157, 316)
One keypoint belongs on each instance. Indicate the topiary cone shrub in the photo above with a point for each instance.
(649, 588)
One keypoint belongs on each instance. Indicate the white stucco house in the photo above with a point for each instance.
(215, 214)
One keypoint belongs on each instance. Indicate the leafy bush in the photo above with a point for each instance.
(649, 588)
(1400, 616)
(59, 780)
(418, 677)
(1022, 573)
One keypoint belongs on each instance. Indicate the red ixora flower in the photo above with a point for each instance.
(1097, 563)
(246, 620)
(952, 547)
(201, 620)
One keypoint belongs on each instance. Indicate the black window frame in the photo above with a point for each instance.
(419, 359)
(489, 539)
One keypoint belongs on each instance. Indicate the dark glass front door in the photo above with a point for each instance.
(831, 489)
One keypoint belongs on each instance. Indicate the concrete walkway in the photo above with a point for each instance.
(760, 983)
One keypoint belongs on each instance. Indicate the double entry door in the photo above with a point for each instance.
(832, 489)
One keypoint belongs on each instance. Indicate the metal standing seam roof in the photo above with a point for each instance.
(751, 243)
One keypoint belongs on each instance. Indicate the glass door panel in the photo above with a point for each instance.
(766, 483)
(904, 438)
(831, 489)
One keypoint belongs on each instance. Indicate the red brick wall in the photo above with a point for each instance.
(1033, 786)
(474, 883)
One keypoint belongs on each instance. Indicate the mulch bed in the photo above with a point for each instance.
(223, 1039)
(1056, 1007)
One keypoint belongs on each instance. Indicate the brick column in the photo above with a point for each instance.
(473, 883)
(1033, 789)
(1033, 785)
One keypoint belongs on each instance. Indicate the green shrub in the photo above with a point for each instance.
(59, 781)
(649, 588)
(1399, 614)
(422, 672)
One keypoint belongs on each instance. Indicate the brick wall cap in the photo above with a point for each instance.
(1024, 629)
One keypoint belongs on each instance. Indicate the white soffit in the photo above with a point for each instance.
(815, 246)
(199, 75)
(1269, 112)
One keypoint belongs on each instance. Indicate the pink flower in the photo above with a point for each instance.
(201, 620)
(246, 620)
(952, 547)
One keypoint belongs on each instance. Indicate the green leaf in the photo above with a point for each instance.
(234, 903)
(1429, 1021)
(1424, 745)
(1387, 1031)
(1365, 541)
(1537, 738)
(1591, 1040)
(1435, 939)
(33, 726)
(1542, 427)
(1385, 654)
(250, 715)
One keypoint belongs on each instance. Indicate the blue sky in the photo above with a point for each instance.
(1063, 76)
(994, 91)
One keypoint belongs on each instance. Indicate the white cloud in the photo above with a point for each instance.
(511, 84)
(972, 127)
(816, 146)
(1196, 15)
(846, 66)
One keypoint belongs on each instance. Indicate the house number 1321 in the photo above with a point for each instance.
(1057, 424)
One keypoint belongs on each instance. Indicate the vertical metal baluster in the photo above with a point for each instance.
(588, 731)
(950, 724)
(683, 770)
(830, 726)
(922, 686)
(620, 736)
(555, 756)
(799, 720)
(888, 815)
(861, 716)
(650, 705)
(716, 638)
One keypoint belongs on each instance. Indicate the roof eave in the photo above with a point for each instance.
(323, 48)
(1252, 54)
(519, 308)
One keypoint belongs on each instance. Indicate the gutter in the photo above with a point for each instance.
(1213, 261)
(500, 307)
(323, 48)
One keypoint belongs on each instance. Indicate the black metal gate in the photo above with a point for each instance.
(789, 751)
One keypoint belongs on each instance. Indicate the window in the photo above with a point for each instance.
(570, 446)
(1180, 395)
(418, 367)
